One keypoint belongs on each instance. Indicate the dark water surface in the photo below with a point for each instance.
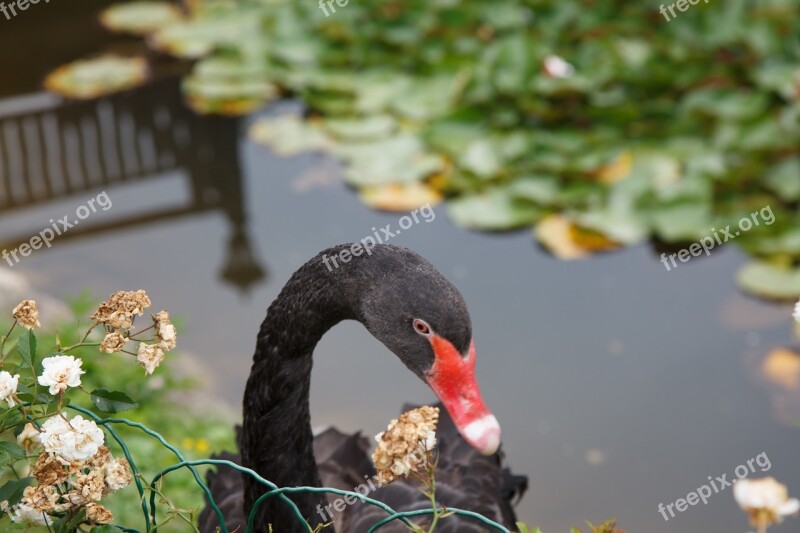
(619, 385)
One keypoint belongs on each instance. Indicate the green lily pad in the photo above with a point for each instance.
(289, 135)
(770, 281)
(493, 210)
(140, 18)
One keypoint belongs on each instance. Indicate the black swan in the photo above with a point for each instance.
(420, 316)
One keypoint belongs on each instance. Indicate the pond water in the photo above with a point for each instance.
(619, 385)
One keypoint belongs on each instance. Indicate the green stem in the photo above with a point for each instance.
(3, 343)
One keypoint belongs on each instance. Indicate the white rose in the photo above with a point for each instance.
(8, 387)
(60, 372)
(76, 440)
(25, 513)
(765, 494)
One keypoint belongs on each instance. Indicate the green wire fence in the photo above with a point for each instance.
(149, 510)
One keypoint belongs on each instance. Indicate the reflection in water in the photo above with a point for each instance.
(51, 150)
(780, 370)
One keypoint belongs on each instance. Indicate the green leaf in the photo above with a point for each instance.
(770, 281)
(112, 401)
(11, 452)
(27, 347)
(784, 179)
(70, 523)
(12, 491)
(493, 210)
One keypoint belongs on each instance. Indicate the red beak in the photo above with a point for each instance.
(452, 378)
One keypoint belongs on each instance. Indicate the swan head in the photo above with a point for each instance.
(420, 316)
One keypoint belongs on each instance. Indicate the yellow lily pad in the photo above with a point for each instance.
(399, 197)
(617, 170)
(568, 241)
(91, 78)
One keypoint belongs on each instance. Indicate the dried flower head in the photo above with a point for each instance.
(98, 514)
(165, 331)
(118, 474)
(100, 459)
(119, 310)
(403, 447)
(113, 342)
(27, 314)
(87, 487)
(765, 500)
(150, 356)
(8, 387)
(41, 498)
(49, 470)
(60, 372)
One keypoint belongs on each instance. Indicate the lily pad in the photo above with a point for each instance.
(289, 135)
(139, 18)
(770, 281)
(493, 210)
(399, 197)
(92, 78)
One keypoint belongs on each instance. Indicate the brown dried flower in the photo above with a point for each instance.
(41, 498)
(100, 459)
(403, 447)
(49, 470)
(165, 331)
(87, 487)
(118, 475)
(27, 314)
(113, 342)
(98, 514)
(120, 308)
(149, 356)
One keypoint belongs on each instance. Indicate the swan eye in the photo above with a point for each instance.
(422, 327)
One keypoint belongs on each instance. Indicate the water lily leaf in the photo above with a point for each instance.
(493, 210)
(198, 37)
(428, 98)
(112, 401)
(541, 189)
(289, 135)
(770, 281)
(733, 105)
(92, 78)
(228, 87)
(139, 18)
(396, 159)
(681, 221)
(784, 179)
(616, 170)
(399, 197)
(362, 128)
(568, 241)
(480, 158)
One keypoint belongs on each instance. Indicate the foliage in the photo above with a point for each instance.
(108, 387)
(625, 124)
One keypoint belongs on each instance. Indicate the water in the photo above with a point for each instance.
(619, 385)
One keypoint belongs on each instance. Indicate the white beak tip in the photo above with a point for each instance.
(483, 434)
